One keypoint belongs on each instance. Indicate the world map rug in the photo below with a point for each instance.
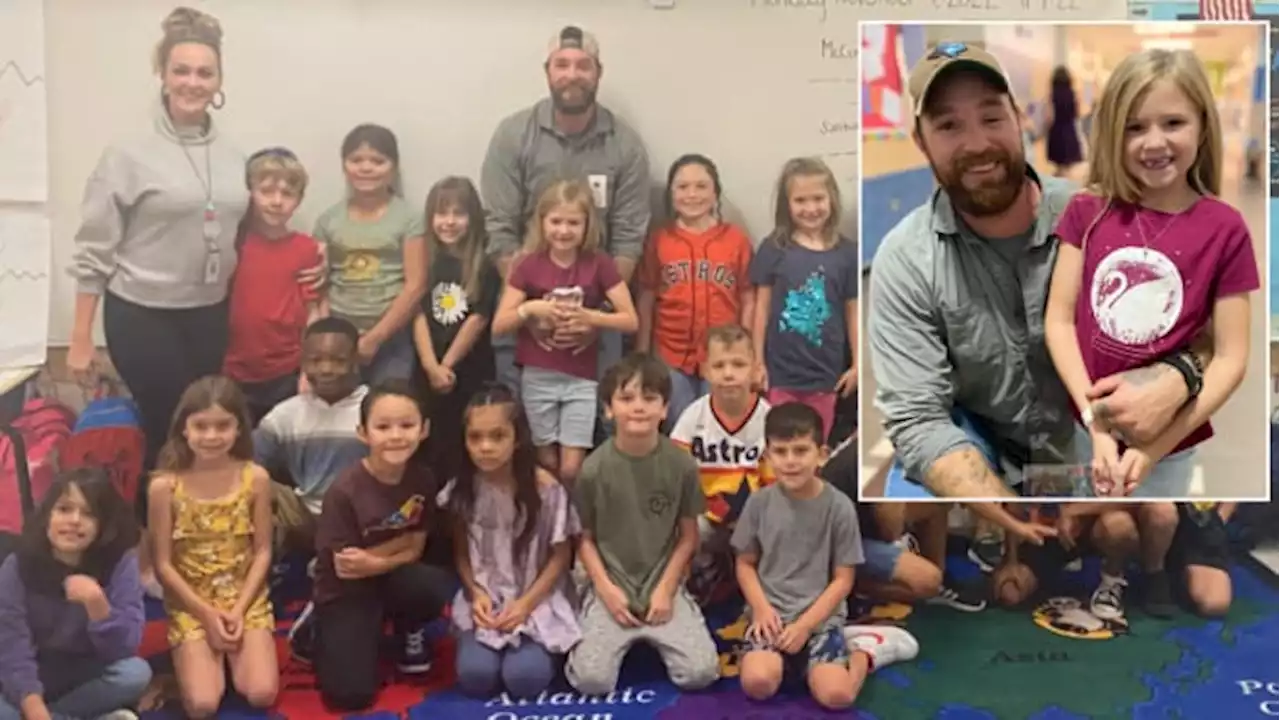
(1053, 662)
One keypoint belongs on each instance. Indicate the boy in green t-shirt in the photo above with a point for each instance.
(639, 499)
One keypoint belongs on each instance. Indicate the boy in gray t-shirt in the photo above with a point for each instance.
(797, 543)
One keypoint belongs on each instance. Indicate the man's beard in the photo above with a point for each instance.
(563, 105)
(991, 197)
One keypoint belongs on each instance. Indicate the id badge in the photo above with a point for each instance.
(211, 229)
(599, 185)
(212, 268)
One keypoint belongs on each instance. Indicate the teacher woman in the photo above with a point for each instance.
(156, 245)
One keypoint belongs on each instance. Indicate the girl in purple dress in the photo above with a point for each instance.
(513, 522)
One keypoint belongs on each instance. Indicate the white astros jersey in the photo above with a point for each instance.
(730, 459)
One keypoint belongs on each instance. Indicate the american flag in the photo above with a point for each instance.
(1226, 9)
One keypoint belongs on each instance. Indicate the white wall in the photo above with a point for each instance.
(744, 81)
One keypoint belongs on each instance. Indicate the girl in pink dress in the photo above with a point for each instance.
(513, 522)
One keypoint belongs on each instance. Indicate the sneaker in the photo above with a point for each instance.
(415, 653)
(1157, 596)
(964, 598)
(885, 644)
(909, 543)
(119, 715)
(986, 552)
(302, 636)
(1107, 602)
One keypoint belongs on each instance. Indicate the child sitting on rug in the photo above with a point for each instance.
(513, 522)
(798, 543)
(71, 612)
(724, 431)
(369, 543)
(309, 439)
(639, 499)
(269, 308)
(1116, 532)
(210, 518)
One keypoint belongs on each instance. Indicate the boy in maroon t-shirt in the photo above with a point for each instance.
(269, 307)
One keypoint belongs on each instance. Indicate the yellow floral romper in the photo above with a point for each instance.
(212, 551)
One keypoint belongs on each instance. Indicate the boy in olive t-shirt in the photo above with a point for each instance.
(639, 498)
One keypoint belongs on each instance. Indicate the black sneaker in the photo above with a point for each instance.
(986, 552)
(962, 597)
(415, 653)
(1157, 596)
(1107, 602)
(302, 636)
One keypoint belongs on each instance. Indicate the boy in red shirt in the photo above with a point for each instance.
(270, 308)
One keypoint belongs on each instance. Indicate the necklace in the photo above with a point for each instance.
(1142, 233)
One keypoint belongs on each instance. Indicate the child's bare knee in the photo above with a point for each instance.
(831, 686)
(760, 675)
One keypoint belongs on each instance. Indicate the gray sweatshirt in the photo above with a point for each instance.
(527, 154)
(142, 218)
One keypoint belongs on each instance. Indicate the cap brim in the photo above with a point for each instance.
(993, 75)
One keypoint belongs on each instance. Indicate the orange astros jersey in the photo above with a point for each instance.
(730, 459)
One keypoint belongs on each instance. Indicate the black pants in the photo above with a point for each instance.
(446, 445)
(158, 353)
(349, 630)
(262, 396)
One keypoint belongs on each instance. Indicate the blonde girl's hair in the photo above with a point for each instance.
(1126, 89)
(783, 225)
(203, 394)
(470, 249)
(575, 193)
(184, 25)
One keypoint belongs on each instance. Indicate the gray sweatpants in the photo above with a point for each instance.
(684, 643)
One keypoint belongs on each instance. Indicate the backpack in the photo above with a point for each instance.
(109, 435)
(29, 457)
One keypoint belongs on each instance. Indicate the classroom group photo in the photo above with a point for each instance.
(564, 431)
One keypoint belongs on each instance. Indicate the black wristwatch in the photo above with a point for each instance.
(1187, 365)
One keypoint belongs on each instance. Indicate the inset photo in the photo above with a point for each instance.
(1064, 243)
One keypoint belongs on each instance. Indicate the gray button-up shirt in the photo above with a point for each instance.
(955, 325)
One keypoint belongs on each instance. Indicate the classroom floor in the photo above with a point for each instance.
(1234, 464)
(1040, 656)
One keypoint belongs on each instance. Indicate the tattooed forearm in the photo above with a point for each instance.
(964, 473)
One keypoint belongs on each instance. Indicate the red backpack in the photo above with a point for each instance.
(108, 435)
(30, 447)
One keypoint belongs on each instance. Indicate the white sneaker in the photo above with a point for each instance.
(119, 715)
(885, 644)
(1107, 602)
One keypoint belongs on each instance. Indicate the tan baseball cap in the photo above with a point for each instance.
(572, 36)
(946, 55)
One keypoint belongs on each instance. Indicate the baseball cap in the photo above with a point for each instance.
(947, 55)
(572, 36)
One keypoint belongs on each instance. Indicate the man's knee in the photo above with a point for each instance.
(698, 667)
(589, 678)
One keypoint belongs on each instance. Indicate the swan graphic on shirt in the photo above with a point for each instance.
(1136, 295)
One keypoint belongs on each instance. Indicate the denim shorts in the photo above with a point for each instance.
(879, 560)
(561, 407)
(1170, 478)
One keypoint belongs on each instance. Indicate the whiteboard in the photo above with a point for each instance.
(24, 287)
(750, 83)
(24, 124)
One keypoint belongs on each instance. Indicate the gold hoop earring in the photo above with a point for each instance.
(219, 99)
